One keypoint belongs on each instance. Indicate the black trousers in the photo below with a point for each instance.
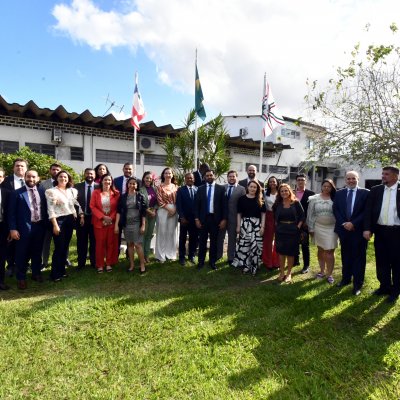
(3, 250)
(85, 240)
(61, 245)
(387, 240)
(354, 257)
(186, 230)
(305, 250)
(209, 229)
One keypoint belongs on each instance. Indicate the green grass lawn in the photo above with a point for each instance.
(179, 333)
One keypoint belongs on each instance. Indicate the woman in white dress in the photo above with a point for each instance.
(321, 225)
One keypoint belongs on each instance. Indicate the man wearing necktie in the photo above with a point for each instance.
(185, 201)
(210, 216)
(84, 233)
(233, 192)
(349, 209)
(27, 220)
(382, 218)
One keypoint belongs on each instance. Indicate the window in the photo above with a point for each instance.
(116, 157)
(7, 146)
(290, 133)
(155, 159)
(77, 154)
(278, 169)
(48, 149)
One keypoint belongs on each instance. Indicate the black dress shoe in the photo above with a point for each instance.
(342, 283)
(3, 286)
(182, 262)
(380, 292)
(392, 298)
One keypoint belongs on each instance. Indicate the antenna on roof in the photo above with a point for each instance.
(112, 104)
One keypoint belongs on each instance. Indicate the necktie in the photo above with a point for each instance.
(34, 206)
(22, 182)
(209, 199)
(386, 207)
(190, 193)
(230, 192)
(349, 203)
(88, 197)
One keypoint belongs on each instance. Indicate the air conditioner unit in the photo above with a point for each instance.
(339, 173)
(147, 144)
(56, 135)
(243, 132)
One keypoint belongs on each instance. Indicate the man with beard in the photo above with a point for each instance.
(120, 181)
(251, 176)
(85, 233)
(27, 219)
(210, 214)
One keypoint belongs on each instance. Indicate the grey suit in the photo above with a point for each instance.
(237, 192)
(47, 184)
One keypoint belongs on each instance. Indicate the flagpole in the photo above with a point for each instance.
(135, 137)
(262, 130)
(195, 122)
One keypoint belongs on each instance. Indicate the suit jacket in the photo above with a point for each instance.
(8, 183)
(184, 204)
(237, 192)
(19, 213)
(123, 209)
(220, 204)
(198, 179)
(5, 201)
(244, 183)
(97, 208)
(357, 216)
(143, 190)
(374, 205)
(47, 184)
(80, 187)
(304, 200)
(118, 182)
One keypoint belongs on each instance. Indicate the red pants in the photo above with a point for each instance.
(106, 246)
(270, 257)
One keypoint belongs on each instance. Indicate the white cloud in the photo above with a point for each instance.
(237, 42)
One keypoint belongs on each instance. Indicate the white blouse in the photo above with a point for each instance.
(60, 203)
(269, 201)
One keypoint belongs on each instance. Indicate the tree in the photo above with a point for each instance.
(37, 161)
(211, 144)
(360, 108)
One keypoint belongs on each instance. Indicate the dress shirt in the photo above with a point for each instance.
(393, 218)
(299, 194)
(37, 196)
(212, 196)
(354, 196)
(17, 182)
(61, 204)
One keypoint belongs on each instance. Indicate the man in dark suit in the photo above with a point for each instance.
(84, 233)
(11, 183)
(210, 215)
(27, 218)
(199, 175)
(120, 181)
(382, 218)
(251, 176)
(348, 208)
(302, 194)
(4, 200)
(233, 192)
(185, 202)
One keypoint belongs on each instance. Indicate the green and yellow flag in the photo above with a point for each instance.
(199, 107)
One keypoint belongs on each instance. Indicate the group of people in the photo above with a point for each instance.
(264, 225)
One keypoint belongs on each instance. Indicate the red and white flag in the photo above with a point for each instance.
(138, 111)
(269, 112)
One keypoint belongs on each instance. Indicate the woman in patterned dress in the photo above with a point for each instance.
(250, 227)
(289, 216)
(321, 225)
(167, 218)
(131, 217)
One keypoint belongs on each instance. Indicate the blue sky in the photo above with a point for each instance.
(76, 52)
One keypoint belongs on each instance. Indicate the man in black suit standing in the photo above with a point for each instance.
(382, 218)
(349, 208)
(27, 220)
(120, 181)
(84, 233)
(4, 197)
(302, 194)
(210, 215)
(199, 175)
(185, 202)
(251, 176)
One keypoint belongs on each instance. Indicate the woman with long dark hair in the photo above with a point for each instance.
(321, 225)
(289, 216)
(167, 217)
(270, 257)
(131, 217)
(100, 170)
(149, 192)
(61, 203)
(104, 203)
(250, 227)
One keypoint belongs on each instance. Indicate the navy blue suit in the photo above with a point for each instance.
(5, 195)
(119, 181)
(185, 208)
(29, 246)
(353, 244)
